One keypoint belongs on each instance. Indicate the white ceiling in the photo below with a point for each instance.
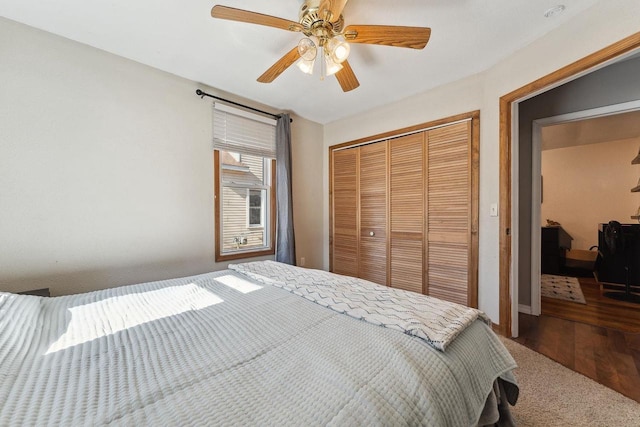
(180, 37)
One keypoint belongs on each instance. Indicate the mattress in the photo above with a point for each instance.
(225, 349)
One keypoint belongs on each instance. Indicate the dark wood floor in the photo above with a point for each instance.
(599, 310)
(600, 340)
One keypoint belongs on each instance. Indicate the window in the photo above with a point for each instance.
(245, 204)
(244, 176)
(257, 199)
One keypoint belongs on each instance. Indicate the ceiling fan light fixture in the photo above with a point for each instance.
(306, 65)
(338, 50)
(325, 35)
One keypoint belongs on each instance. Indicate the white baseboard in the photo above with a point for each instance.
(526, 309)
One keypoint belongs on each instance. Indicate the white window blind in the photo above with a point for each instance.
(243, 132)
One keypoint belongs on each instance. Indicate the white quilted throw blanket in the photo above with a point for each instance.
(435, 321)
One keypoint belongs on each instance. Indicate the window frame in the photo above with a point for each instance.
(271, 250)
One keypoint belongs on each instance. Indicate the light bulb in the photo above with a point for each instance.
(338, 49)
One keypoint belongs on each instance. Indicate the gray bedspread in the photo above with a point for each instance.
(221, 349)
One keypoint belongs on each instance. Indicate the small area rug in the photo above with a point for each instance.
(561, 287)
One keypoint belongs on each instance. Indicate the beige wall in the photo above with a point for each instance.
(106, 169)
(583, 35)
(588, 185)
(308, 192)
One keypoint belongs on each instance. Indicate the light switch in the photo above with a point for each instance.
(493, 210)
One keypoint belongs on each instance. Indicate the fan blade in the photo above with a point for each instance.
(334, 7)
(233, 14)
(347, 78)
(282, 64)
(412, 37)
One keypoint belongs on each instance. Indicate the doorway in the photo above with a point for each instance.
(591, 350)
(511, 238)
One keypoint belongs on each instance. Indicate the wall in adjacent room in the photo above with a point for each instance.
(106, 173)
(588, 185)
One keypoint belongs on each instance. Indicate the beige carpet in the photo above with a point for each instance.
(552, 395)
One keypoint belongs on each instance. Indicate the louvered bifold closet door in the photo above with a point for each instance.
(345, 212)
(449, 212)
(406, 188)
(373, 212)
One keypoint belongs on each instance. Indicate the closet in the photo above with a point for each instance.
(403, 209)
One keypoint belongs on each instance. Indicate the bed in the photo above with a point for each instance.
(261, 343)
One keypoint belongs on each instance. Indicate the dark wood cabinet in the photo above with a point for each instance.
(624, 263)
(555, 241)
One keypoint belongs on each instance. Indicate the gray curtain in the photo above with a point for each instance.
(285, 240)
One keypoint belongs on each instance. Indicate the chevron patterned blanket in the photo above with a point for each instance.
(435, 321)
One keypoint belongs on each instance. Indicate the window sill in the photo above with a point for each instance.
(240, 255)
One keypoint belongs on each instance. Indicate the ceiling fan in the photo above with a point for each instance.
(322, 23)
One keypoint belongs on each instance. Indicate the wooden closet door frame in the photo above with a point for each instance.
(474, 116)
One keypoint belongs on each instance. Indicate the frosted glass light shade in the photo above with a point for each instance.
(332, 67)
(307, 49)
(306, 66)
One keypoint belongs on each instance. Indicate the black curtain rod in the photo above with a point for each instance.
(202, 94)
